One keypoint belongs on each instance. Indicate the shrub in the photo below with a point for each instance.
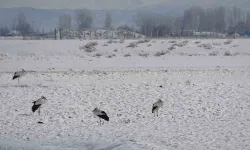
(143, 41)
(160, 53)
(144, 54)
(228, 42)
(97, 55)
(205, 46)
(127, 55)
(122, 41)
(110, 42)
(111, 55)
(91, 44)
(236, 45)
(171, 48)
(90, 49)
(181, 44)
(236, 54)
(227, 53)
(172, 42)
(214, 53)
(216, 44)
(132, 45)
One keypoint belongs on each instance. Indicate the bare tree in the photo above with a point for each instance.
(220, 22)
(248, 20)
(83, 18)
(4, 31)
(108, 21)
(147, 22)
(64, 21)
(217, 19)
(22, 25)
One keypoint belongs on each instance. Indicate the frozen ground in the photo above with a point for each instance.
(205, 106)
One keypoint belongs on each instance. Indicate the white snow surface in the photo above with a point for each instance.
(206, 98)
(68, 54)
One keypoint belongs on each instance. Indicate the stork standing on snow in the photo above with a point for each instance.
(156, 106)
(101, 114)
(19, 74)
(38, 104)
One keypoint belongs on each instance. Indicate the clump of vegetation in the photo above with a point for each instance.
(132, 45)
(143, 41)
(144, 54)
(181, 44)
(228, 42)
(205, 46)
(172, 42)
(228, 53)
(91, 44)
(160, 53)
(216, 44)
(127, 55)
(214, 53)
(171, 48)
(97, 55)
(111, 55)
(110, 42)
(89, 47)
(122, 41)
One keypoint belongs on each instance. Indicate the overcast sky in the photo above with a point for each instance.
(109, 4)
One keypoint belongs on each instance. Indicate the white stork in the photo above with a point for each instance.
(101, 114)
(19, 74)
(156, 106)
(38, 104)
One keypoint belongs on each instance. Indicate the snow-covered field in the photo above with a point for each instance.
(71, 54)
(204, 85)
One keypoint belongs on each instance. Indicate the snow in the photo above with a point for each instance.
(206, 98)
(67, 54)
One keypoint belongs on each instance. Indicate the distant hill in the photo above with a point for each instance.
(48, 19)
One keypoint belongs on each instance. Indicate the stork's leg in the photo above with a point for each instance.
(39, 111)
(100, 121)
(18, 80)
(157, 113)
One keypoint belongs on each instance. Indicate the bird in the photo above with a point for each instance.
(101, 114)
(156, 106)
(19, 74)
(38, 104)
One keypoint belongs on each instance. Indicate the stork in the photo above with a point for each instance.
(38, 104)
(19, 74)
(156, 106)
(101, 114)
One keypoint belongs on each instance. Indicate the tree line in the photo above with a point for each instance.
(219, 19)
